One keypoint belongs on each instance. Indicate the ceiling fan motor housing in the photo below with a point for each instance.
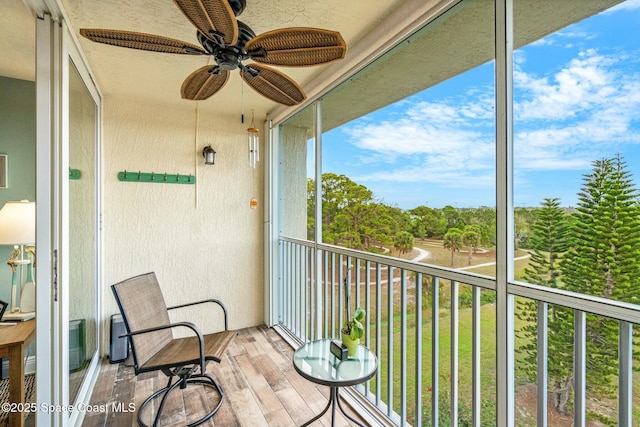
(229, 57)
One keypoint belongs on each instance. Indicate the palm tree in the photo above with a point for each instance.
(471, 237)
(453, 241)
(403, 242)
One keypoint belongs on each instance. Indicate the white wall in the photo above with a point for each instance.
(203, 240)
(18, 141)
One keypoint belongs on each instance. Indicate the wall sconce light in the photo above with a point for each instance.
(253, 139)
(209, 155)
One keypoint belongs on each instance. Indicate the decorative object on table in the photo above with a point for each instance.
(353, 329)
(14, 263)
(16, 313)
(28, 295)
(339, 350)
(18, 228)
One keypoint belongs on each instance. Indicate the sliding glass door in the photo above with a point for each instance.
(80, 291)
(68, 236)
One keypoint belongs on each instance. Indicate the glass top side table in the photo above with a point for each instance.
(315, 362)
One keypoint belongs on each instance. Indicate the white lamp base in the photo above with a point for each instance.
(14, 291)
(28, 298)
(18, 316)
(14, 281)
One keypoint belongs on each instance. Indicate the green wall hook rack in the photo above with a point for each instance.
(158, 178)
(74, 173)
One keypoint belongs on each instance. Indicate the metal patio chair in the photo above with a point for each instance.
(154, 348)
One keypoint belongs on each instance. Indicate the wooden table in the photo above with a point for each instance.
(13, 341)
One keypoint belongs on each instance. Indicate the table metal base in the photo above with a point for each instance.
(334, 399)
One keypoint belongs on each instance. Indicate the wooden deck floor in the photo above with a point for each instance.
(261, 389)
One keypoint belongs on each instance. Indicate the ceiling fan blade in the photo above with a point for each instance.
(141, 41)
(201, 84)
(298, 46)
(274, 85)
(211, 15)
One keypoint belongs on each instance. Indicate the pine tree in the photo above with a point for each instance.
(604, 259)
(549, 240)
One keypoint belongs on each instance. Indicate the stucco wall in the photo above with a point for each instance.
(203, 240)
(294, 181)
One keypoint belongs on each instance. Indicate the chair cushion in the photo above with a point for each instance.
(185, 351)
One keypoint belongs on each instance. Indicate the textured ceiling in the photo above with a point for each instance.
(17, 41)
(157, 77)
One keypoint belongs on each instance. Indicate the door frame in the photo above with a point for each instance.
(71, 53)
(55, 47)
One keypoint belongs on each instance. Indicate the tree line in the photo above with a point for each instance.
(353, 218)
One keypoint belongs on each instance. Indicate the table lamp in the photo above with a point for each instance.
(18, 228)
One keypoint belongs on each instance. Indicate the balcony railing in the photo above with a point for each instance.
(433, 331)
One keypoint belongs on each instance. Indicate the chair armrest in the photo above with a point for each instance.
(189, 325)
(215, 301)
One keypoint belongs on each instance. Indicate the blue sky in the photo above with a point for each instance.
(577, 99)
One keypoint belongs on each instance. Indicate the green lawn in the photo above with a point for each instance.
(464, 363)
(441, 256)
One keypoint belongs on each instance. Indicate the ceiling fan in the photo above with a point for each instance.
(231, 42)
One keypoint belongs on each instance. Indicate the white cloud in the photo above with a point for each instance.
(441, 176)
(431, 142)
(580, 86)
(564, 119)
(625, 6)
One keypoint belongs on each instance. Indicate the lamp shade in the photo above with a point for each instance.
(18, 223)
